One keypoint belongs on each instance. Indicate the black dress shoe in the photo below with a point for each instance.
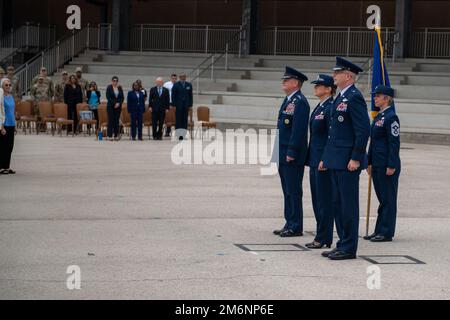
(317, 245)
(278, 232)
(369, 236)
(326, 254)
(289, 234)
(380, 239)
(341, 255)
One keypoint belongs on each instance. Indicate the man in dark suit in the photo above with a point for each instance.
(159, 104)
(182, 100)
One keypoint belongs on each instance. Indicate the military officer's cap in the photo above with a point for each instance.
(342, 64)
(65, 73)
(384, 90)
(78, 69)
(291, 73)
(324, 80)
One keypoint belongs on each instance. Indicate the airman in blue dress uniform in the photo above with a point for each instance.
(182, 94)
(320, 180)
(345, 155)
(293, 147)
(384, 162)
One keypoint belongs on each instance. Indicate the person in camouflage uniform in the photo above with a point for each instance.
(47, 80)
(59, 87)
(84, 83)
(15, 88)
(40, 93)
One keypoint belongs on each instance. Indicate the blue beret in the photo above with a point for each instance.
(291, 73)
(342, 64)
(324, 80)
(387, 91)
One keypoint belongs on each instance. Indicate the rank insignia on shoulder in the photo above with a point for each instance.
(395, 129)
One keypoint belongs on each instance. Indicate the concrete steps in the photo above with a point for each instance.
(249, 92)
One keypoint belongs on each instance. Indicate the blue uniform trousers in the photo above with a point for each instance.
(386, 188)
(291, 176)
(325, 205)
(136, 124)
(346, 184)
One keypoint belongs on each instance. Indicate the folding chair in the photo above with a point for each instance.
(125, 119)
(148, 121)
(47, 115)
(24, 115)
(88, 122)
(61, 118)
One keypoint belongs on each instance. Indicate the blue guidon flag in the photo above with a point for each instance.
(380, 74)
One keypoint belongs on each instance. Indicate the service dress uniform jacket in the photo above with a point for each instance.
(348, 135)
(321, 182)
(384, 152)
(292, 127)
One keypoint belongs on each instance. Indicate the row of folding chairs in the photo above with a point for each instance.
(56, 115)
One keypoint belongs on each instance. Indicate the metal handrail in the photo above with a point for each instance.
(43, 52)
(213, 59)
(187, 25)
(54, 57)
(26, 36)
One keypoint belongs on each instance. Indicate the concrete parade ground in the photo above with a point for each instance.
(140, 227)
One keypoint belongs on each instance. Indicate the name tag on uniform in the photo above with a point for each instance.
(342, 107)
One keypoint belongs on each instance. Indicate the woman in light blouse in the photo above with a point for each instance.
(7, 127)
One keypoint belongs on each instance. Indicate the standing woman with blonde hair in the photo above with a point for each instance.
(7, 127)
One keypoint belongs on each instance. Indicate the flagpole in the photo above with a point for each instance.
(369, 198)
(373, 114)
